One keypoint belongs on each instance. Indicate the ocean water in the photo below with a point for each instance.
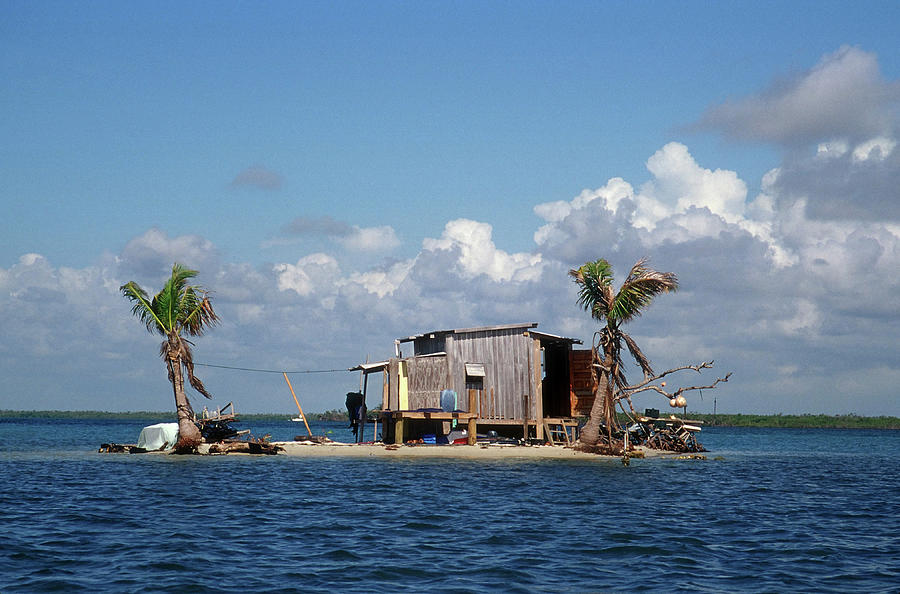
(770, 510)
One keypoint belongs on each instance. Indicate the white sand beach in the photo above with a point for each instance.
(480, 451)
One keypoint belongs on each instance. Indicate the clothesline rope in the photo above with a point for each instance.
(270, 370)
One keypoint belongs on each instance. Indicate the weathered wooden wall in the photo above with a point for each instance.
(506, 355)
(427, 377)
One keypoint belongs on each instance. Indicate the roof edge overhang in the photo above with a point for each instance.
(544, 337)
(371, 367)
(436, 333)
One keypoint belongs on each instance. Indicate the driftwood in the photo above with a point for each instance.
(311, 439)
(254, 446)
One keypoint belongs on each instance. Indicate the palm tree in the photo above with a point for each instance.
(595, 295)
(179, 309)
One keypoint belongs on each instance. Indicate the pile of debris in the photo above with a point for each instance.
(668, 434)
(650, 431)
(215, 428)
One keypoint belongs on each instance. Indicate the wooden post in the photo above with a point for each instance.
(538, 390)
(361, 430)
(384, 389)
(473, 423)
(525, 416)
(302, 416)
(398, 431)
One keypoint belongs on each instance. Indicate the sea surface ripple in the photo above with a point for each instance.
(770, 510)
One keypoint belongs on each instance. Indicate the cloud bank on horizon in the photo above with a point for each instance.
(792, 289)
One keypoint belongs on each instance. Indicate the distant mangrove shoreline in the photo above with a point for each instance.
(95, 415)
(805, 421)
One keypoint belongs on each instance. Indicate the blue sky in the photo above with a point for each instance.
(343, 174)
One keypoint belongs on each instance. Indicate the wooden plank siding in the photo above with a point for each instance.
(581, 382)
(506, 355)
(427, 377)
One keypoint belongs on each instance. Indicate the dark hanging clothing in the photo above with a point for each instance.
(356, 410)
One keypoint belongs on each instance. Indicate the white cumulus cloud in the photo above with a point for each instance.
(679, 183)
(478, 254)
(315, 273)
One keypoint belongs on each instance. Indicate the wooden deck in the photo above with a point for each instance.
(399, 416)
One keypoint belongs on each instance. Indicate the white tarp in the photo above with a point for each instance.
(159, 436)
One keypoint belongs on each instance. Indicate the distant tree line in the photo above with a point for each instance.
(156, 416)
(806, 421)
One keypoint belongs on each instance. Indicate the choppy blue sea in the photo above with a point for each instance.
(770, 510)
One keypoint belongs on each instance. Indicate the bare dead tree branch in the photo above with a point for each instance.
(648, 385)
(680, 391)
(647, 380)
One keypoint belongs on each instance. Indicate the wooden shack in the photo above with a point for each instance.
(509, 378)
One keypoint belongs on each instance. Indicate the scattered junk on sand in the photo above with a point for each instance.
(217, 430)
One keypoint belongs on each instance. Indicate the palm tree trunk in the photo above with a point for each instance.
(609, 403)
(590, 433)
(603, 410)
(188, 434)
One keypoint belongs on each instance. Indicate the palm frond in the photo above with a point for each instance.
(177, 307)
(142, 307)
(187, 362)
(639, 289)
(594, 280)
(197, 310)
(638, 355)
(169, 301)
(181, 351)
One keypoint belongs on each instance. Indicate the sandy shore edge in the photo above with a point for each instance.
(481, 451)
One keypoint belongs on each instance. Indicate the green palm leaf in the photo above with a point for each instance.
(594, 281)
(639, 289)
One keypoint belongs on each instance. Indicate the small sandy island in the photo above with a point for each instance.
(480, 451)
